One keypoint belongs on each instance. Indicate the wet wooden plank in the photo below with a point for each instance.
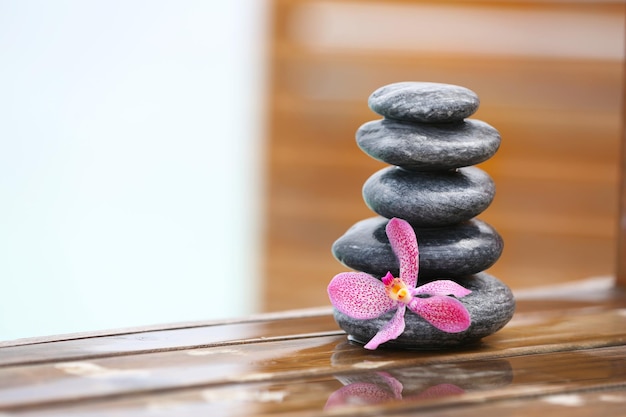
(291, 359)
(546, 381)
(567, 299)
(125, 342)
(606, 403)
(255, 318)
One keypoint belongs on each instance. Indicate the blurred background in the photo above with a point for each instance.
(178, 161)
(549, 77)
(130, 147)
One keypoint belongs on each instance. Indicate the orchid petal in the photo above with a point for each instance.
(359, 295)
(386, 388)
(445, 313)
(404, 244)
(442, 287)
(359, 393)
(391, 330)
(395, 385)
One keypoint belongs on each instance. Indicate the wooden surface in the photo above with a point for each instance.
(621, 223)
(559, 112)
(564, 353)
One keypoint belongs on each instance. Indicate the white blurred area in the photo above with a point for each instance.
(130, 147)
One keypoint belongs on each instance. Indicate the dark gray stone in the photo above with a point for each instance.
(429, 199)
(428, 147)
(491, 305)
(424, 102)
(453, 251)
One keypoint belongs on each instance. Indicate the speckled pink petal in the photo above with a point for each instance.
(404, 244)
(359, 295)
(445, 313)
(395, 385)
(364, 393)
(359, 393)
(442, 287)
(391, 330)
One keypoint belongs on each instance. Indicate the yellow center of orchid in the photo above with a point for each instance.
(397, 290)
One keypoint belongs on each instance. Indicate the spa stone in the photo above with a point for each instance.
(429, 199)
(432, 183)
(491, 305)
(426, 147)
(424, 102)
(464, 249)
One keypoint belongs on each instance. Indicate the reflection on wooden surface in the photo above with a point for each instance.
(549, 76)
(560, 351)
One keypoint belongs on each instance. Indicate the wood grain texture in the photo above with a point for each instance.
(563, 349)
(621, 221)
(556, 173)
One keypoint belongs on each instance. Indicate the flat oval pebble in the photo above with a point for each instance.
(459, 250)
(422, 147)
(429, 199)
(424, 102)
(491, 305)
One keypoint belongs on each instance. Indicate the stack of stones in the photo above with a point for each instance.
(432, 146)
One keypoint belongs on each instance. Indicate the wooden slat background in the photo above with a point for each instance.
(556, 172)
(621, 247)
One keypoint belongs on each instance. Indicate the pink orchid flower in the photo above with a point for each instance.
(361, 296)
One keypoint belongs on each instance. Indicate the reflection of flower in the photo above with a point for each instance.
(382, 388)
(364, 393)
(361, 296)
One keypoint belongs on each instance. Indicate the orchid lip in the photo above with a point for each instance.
(397, 290)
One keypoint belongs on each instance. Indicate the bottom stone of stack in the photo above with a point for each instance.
(491, 305)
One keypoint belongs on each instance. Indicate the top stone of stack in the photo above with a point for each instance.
(424, 102)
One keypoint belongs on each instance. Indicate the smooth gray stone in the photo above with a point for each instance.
(459, 250)
(491, 305)
(424, 102)
(428, 147)
(429, 199)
